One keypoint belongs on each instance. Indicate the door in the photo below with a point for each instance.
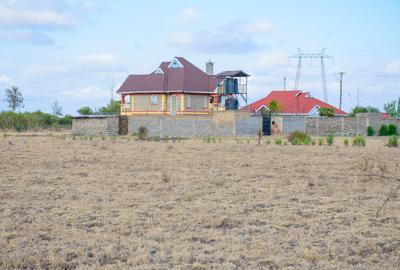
(266, 123)
(173, 105)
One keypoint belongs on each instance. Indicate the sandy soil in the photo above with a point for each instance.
(120, 204)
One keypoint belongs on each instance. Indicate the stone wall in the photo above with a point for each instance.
(95, 125)
(347, 126)
(229, 123)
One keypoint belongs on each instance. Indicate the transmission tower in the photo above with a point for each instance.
(321, 55)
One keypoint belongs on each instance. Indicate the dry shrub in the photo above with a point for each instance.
(143, 133)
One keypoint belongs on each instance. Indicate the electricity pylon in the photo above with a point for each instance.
(321, 55)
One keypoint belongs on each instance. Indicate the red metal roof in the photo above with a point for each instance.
(189, 78)
(296, 102)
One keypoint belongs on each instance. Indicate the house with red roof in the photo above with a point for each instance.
(175, 87)
(293, 102)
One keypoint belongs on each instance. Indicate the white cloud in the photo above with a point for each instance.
(28, 18)
(393, 67)
(88, 93)
(5, 79)
(182, 39)
(189, 14)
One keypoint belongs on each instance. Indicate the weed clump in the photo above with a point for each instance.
(346, 142)
(359, 140)
(393, 141)
(278, 141)
(299, 137)
(142, 133)
(330, 138)
(321, 141)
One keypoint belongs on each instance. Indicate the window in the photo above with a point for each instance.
(175, 64)
(154, 99)
(188, 105)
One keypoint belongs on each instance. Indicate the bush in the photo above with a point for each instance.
(393, 141)
(65, 121)
(330, 139)
(142, 133)
(392, 129)
(31, 120)
(370, 131)
(278, 141)
(346, 142)
(320, 141)
(299, 136)
(328, 112)
(358, 140)
(383, 131)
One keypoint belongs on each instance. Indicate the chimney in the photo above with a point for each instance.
(210, 68)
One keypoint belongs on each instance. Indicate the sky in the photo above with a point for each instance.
(79, 51)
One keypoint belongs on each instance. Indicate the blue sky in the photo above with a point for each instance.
(76, 50)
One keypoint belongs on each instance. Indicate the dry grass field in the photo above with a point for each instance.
(119, 204)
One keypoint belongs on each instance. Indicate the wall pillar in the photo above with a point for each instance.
(163, 103)
(182, 102)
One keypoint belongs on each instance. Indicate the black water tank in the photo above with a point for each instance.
(231, 104)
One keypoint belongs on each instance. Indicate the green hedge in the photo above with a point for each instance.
(32, 120)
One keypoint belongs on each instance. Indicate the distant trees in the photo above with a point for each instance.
(393, 108)
(14, 98)
(361, 109)
(114, 107)
(328, 112)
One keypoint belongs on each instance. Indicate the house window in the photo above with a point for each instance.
(154, 99)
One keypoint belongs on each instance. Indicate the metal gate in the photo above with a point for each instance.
(123, 125)
(266, 123)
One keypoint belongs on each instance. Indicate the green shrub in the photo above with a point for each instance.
(393, 141)
(65, 121)
(299, 136)
(330, 138)
(142, 133)
(313, 142)
(278, 141)
(392, 129)
(321, 141)
(359, 140)
(346, 142)
(19, 127)
(383, 131)
(370, 131)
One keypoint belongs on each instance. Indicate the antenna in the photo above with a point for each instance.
(112, 89)
(284, 83)
(321, 55)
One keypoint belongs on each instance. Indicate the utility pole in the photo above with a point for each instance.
(284, 83)
(341, 88)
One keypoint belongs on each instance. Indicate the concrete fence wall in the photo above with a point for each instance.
(346, 126)
(95, 125)
(229, 123)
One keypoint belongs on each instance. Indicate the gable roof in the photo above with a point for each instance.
(185, 77)
(295, 102)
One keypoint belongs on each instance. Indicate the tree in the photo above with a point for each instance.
(57, 108)
(14, 98)
(329, 112)
(112, 107)
(361, 109)
(392, 109)
(274, 106)
(85, 111)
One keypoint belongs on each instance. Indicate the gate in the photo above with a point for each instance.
(266, 123)
(123, 125)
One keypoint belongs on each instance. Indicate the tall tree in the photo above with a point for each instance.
(85, 111)
(14, 98)
(274, 106)
(57, 108)
(390, 108)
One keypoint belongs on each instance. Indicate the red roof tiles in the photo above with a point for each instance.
(295, 102)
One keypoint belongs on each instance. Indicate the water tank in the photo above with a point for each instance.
(231, 104)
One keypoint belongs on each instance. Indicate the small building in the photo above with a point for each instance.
(178, 87)
(294, 102)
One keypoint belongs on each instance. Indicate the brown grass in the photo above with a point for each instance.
(121, 204)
